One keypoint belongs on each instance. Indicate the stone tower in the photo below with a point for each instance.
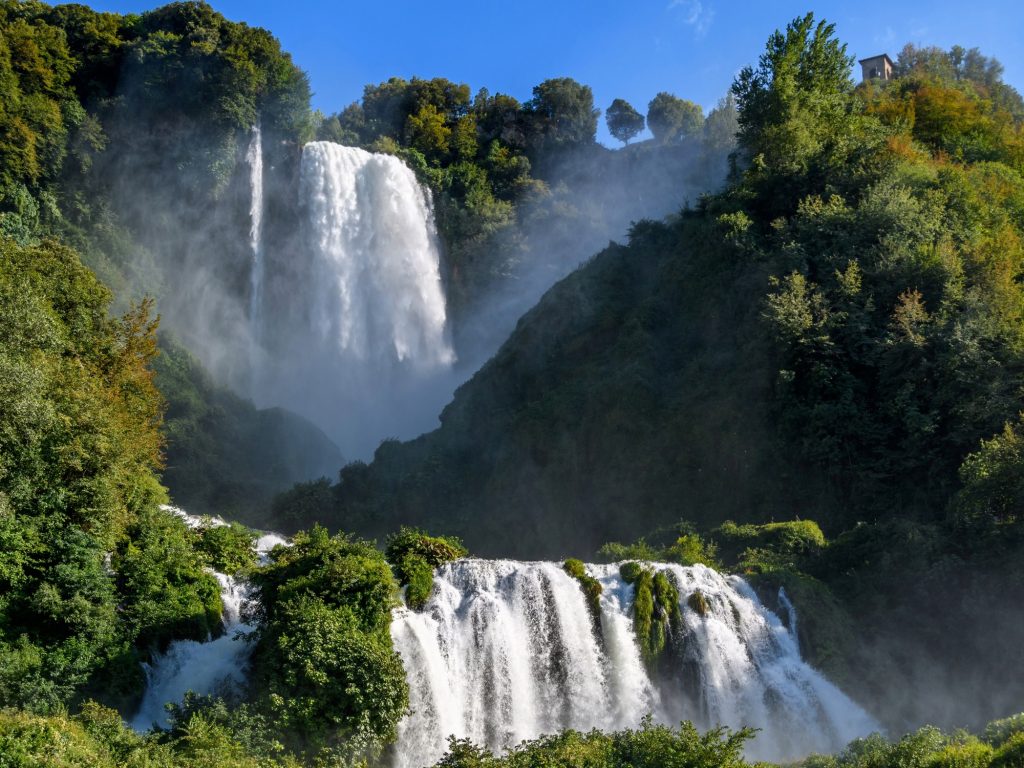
(877, 67)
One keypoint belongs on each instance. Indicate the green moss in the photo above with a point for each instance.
(592, 588)
(419, 580)
(643, 614)
(414, 555)
(666, 599)
(698, 603)
(630, 572)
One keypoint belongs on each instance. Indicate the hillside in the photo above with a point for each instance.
(835, 337)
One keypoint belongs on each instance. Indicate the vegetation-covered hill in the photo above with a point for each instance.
(836, 337)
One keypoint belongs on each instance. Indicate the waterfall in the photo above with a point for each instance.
(254, 158)
(506, 651)
(188, 665)
(355, 334)
(786, 604)
(374, 285)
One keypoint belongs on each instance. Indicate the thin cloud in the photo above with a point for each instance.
(694, 14)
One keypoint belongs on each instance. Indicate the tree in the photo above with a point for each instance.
(562, 112)
(797, 97)
(721, 125)
(671, 118)
(624, 122)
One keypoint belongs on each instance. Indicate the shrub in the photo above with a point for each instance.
(999, 731)
(413, 555)
(228, 548)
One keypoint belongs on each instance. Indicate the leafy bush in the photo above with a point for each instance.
(418, 577)
(414, 555)
(998, 731)
(788, 542)
(228, 548)
(324, 666)
(1010, 753)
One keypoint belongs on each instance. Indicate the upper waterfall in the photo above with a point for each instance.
(374, 283)
(254, 159)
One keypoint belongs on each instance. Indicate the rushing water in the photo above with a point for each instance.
(506, 651)
(355, 326)
(254, 159)
(374, 284)
(188, 665)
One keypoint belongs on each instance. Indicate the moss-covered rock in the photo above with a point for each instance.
(698, 603)
(419, 581)
(413, 555)
(591, 587)
(657, 619)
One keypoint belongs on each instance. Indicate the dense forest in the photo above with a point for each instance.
(810, 376)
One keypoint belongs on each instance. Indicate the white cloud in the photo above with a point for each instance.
(694, 14)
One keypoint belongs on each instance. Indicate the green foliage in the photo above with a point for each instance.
(787, 542)
(228, 548)
(414, 555)
(168, 594)
(323, 666)
(418, 577)
(993, 478)
(688, 548)
(650, 746)
(624, 122)
(1000, 731)
(1010, 753)
(591, 587)
(436, 550)
(673, 119)
(562, 112)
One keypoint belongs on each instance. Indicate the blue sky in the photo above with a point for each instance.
(628, 49)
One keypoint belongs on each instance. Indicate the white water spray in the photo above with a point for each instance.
(254, 159)
(506, 651)
(374, 283)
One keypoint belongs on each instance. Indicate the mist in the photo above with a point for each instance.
(317, 283)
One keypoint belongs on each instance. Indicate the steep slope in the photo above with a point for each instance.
(628, 398)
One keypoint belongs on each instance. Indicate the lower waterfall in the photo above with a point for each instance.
(506, 651)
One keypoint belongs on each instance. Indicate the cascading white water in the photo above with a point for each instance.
(787, 605)
(354, 332)
(506, 650)
(374, 284)
(188, 665)
(254, 159)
